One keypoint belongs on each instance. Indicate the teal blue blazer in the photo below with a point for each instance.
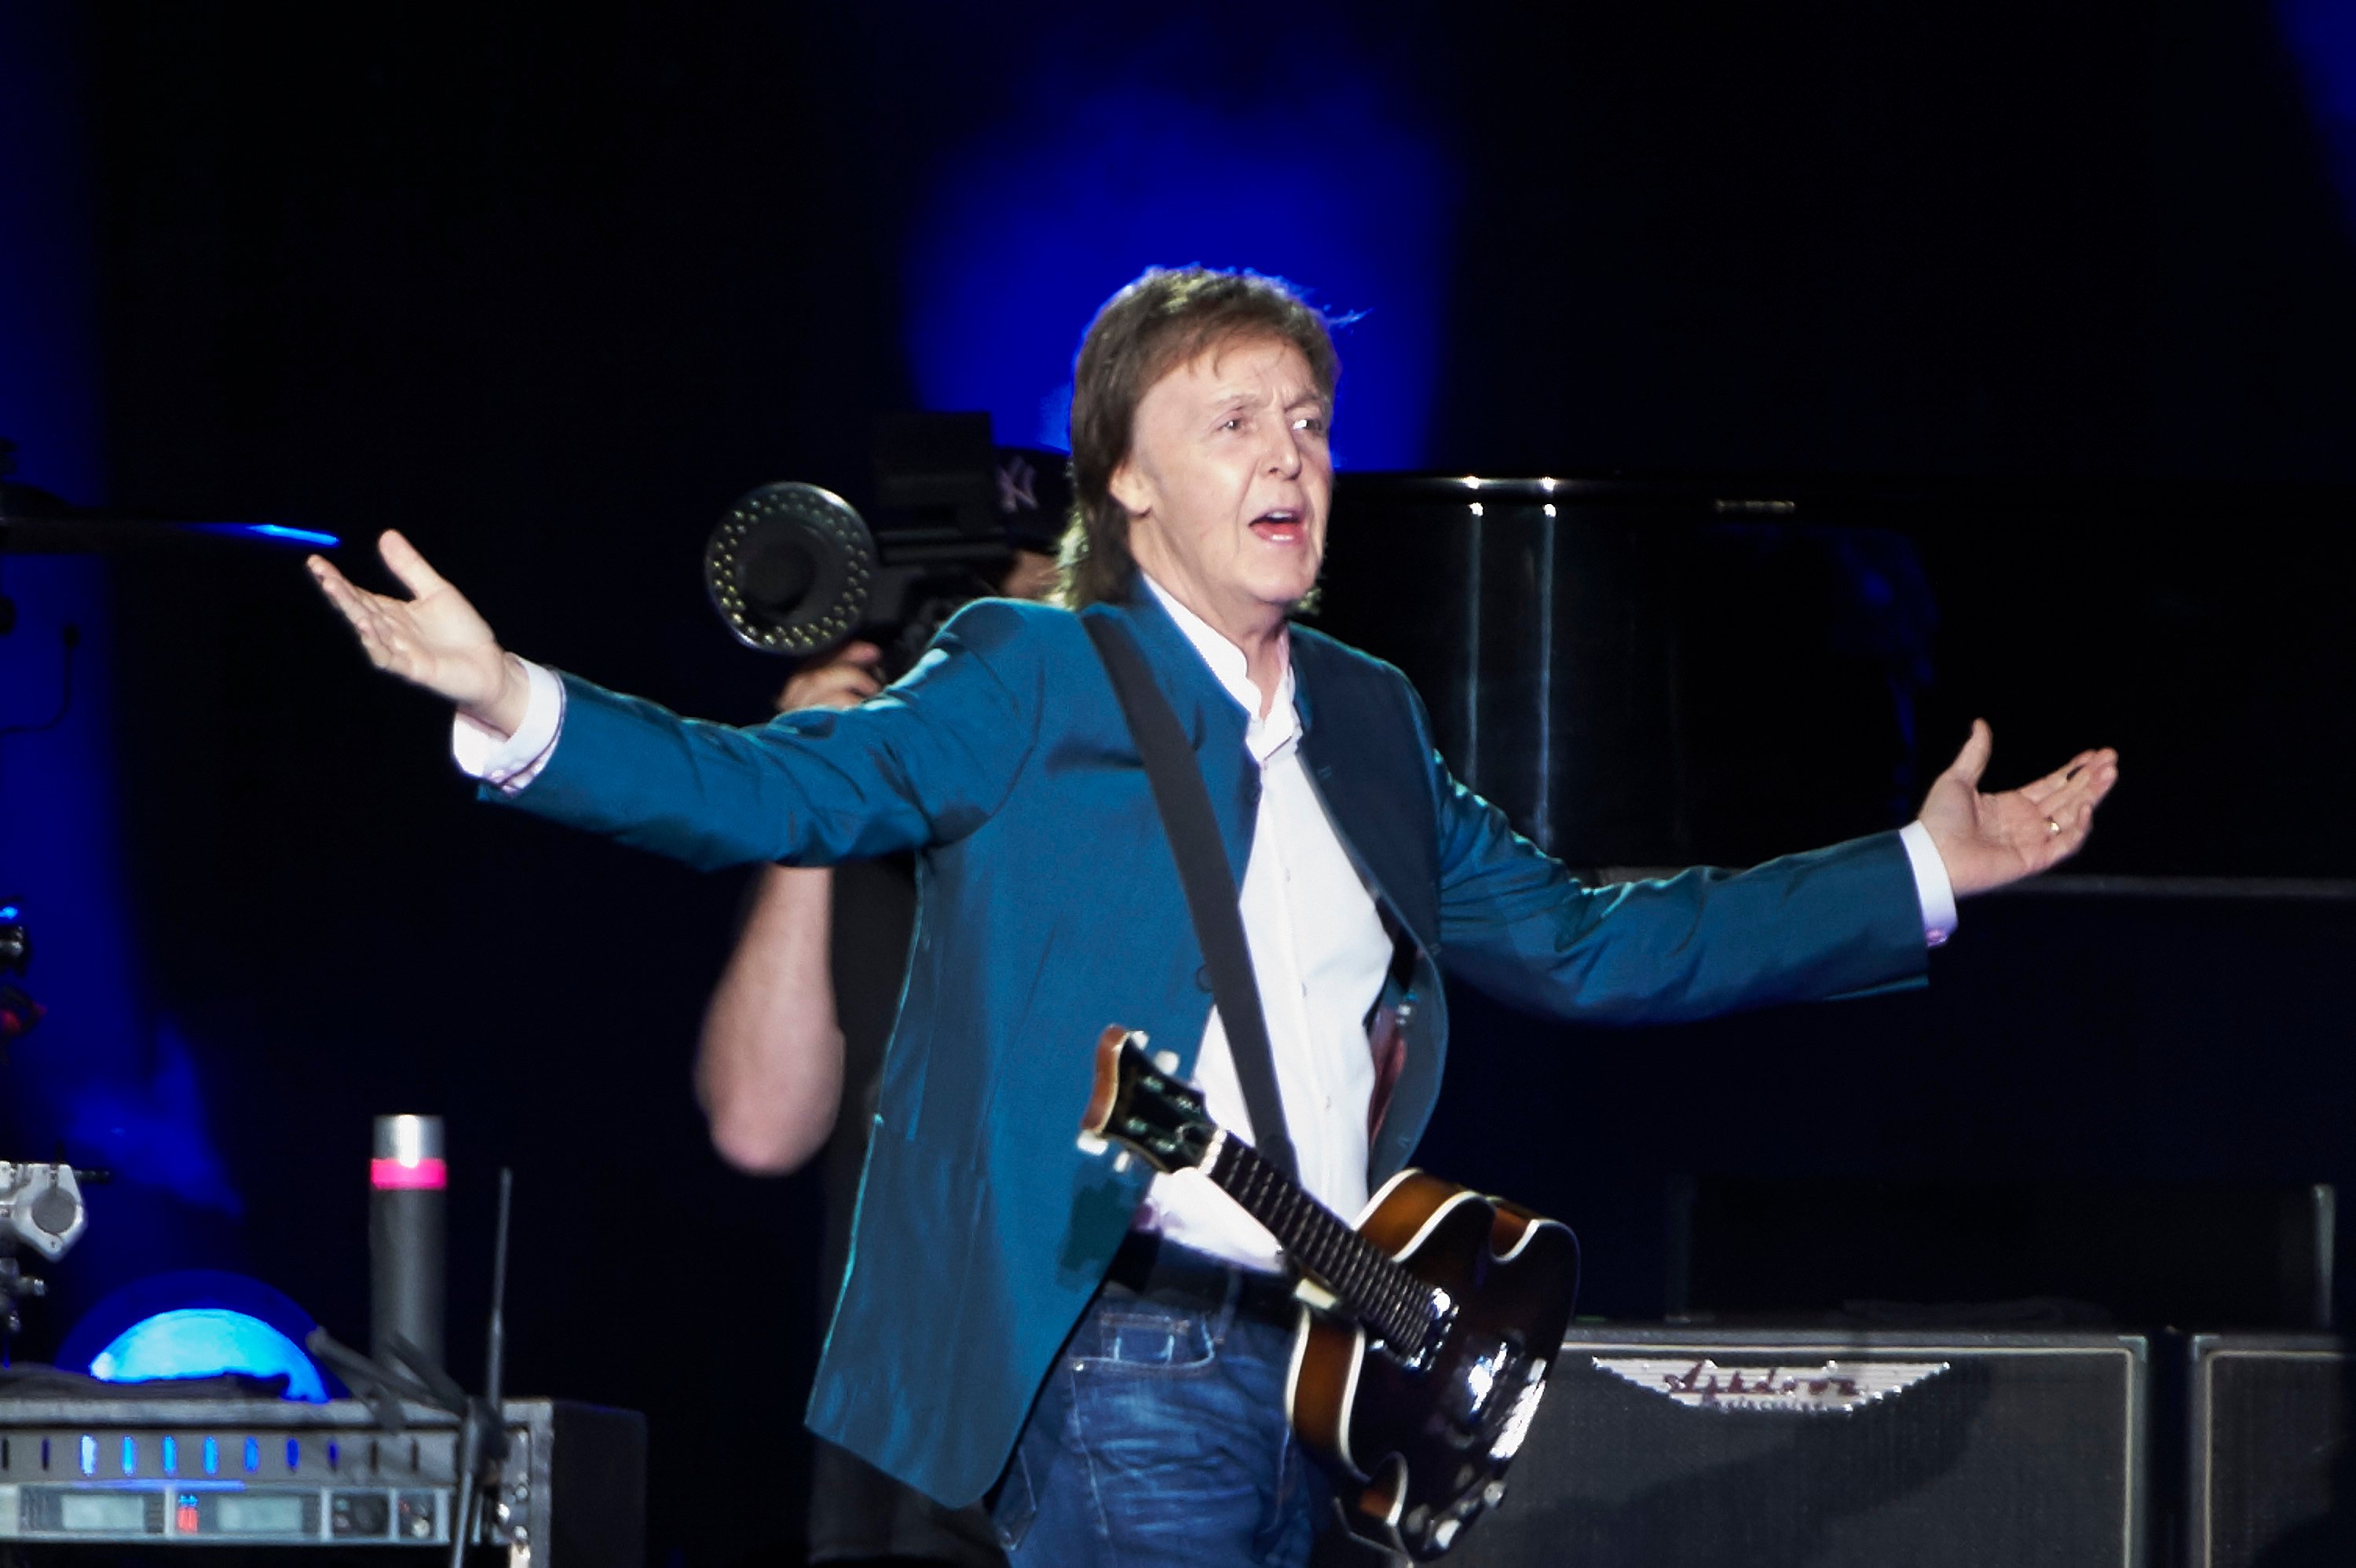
(1049, 907)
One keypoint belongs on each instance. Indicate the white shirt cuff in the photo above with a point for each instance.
(1930, 885)
(507, 763)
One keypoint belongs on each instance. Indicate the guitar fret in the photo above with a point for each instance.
(1393, 1302)
(1284, 1218)
(1343, 1269)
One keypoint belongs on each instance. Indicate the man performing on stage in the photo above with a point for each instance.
(1102, 1353)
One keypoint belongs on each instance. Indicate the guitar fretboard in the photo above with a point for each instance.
(1391, 1301)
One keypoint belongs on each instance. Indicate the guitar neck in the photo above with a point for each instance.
(1394, 1302)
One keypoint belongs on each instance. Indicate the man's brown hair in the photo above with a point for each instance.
(1150, 328)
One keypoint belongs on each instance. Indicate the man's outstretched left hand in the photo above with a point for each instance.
(1988, 840)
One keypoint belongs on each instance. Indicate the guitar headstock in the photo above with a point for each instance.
(1140, 1104)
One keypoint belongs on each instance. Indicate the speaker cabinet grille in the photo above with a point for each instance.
(2270, 1451)
(1834, 1450)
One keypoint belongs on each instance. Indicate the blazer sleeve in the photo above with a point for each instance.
(1517, 924)
(926, 760)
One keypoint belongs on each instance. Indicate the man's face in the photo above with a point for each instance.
(1227, 480)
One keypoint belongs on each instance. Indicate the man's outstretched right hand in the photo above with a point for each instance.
(433, 638)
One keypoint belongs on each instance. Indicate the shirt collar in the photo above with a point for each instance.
(1262, 737)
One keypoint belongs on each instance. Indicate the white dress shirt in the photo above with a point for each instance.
(1319, 951)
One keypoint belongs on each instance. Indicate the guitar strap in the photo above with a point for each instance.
(1211, 898)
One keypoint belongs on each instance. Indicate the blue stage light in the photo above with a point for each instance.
(271, 531)
(206, 1341)
(194, 1324)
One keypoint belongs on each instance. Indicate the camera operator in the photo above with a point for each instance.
(793, 1045)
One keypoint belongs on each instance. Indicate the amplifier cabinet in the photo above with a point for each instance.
(137, 1473)
(2269, 1451)
(1665, 1447)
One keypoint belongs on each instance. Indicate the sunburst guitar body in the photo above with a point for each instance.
(1428, 1329)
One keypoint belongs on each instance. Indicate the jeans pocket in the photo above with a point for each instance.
(1146, 1341)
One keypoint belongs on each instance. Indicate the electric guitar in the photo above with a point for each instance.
(1427, 1330)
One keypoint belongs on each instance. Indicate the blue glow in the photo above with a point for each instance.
(253, 1454)
(60, 835)
(2322, 37)
(273, 531)
(293, 1454)
(212, 1457)
(8, 912)
(1139, 172)
(131, 1455)
(90, 1456)
(149, 1114)
(206, 1341)
(171, 1455)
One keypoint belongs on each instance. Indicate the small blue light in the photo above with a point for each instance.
(334, 1454)
(274, 531)
(131, 1455)
(213, 1457)
(7, 911)
(90, 1456)
(293, 1454)
(306, 536)
(171, 1455)
(253, 1454)
(266, 531)
(207, 1341)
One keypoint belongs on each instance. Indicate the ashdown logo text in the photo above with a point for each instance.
(1835, 1387)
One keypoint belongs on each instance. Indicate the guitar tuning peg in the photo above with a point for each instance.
(1167, 1060)
(1122, 1161)
(1092, 1144)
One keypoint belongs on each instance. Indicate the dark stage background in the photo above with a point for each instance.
(548, 296)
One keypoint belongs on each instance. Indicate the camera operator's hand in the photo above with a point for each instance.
(846, 680)
(433, 638)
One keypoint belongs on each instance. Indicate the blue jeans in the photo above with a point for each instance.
(1160, 1438)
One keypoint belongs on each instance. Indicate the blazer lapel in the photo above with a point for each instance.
(1367, 763)
(1214, 721)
